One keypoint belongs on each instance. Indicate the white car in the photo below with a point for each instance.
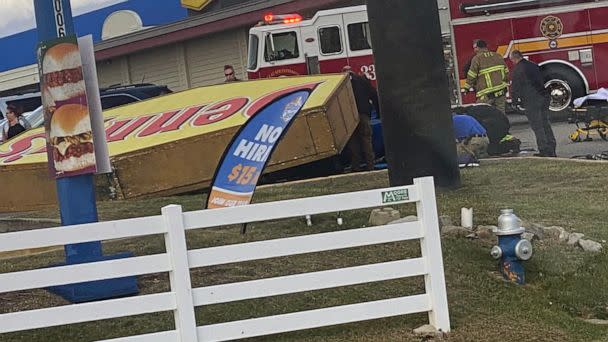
(35, 118)
(31, 105)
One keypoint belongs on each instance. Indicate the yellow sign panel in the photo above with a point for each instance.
(179, 116)
(196, 5)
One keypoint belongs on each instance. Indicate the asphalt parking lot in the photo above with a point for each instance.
(562, 130)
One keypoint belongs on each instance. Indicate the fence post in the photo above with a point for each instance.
(179, 277)
(430, 246)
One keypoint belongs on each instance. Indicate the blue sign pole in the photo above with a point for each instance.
(76, 194)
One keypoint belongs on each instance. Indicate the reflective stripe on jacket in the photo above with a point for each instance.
(488, 73)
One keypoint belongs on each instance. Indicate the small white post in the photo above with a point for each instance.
(179, 277)
(430, 245)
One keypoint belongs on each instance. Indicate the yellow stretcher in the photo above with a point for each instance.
(589, 121)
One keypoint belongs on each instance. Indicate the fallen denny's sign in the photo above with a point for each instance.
(181, 115)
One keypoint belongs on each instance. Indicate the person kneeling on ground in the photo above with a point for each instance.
(471, 138)
(497, 126)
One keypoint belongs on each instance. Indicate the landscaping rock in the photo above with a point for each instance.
(456, 230)
(596, 321)
(410, 218)
(529, 236)
(590, 246)
(486, 232)
(394, 214)
(553, 233)
(563, 237)
(427, 331)
(490, 228)
(444, 221)
(574, 237)
(536, 229)
(380, 217)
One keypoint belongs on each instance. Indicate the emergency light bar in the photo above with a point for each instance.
(506, 5)
(271, 19)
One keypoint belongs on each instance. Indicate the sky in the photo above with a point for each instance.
(18, 15)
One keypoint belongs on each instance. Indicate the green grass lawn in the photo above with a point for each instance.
(565, 285)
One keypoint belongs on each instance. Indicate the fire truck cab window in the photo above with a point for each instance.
(359, 37)
(252, 63)
(330, 40)
(281, 46)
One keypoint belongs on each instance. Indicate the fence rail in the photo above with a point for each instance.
(177, 261)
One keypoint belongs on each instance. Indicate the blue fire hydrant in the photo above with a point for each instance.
(511, 249)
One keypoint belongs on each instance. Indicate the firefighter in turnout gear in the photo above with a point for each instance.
(488, 76)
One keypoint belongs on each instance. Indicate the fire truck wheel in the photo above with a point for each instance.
(564, 85)
(603, 133)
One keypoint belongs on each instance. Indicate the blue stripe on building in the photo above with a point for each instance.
(19, 50)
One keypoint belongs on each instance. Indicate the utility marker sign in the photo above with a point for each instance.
(393, 196)
(59, 18)
(244, 160)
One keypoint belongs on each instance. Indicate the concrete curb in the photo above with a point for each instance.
(304, 181)
(495, 160)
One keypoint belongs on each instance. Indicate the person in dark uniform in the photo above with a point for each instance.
(528, 90)
(360, 144)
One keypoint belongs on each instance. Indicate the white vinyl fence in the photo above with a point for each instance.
(178, 261)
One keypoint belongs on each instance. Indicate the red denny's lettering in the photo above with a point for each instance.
(118, 129)
(20, 147)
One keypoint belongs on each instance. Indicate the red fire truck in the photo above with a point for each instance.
(568, 38)
(287, 45)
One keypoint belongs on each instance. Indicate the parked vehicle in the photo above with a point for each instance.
(28, 102)
(286, 45)
(567, 38)
(111, 97)
(119, 95)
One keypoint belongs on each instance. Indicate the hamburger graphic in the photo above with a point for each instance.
(72, 139)
(62, 75)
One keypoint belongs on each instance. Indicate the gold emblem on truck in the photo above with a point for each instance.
(551, 27)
